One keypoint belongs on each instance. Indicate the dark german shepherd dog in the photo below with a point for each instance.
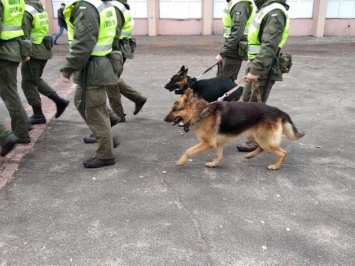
(218, 123)
(208, 89)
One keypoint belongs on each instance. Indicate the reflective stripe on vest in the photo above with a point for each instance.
(227, 18)
(254, 44)
(40, 24)
(12, 21)
(127, 28)
(107, 30)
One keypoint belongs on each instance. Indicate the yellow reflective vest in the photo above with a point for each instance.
(12, 22)
(40, 24)
(254, 44)
(107, 30)
(227, 19)
(127, 28)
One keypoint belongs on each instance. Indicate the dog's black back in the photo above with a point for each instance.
(211, 89)
(207, 89)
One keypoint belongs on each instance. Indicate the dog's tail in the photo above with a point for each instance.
(289, 129)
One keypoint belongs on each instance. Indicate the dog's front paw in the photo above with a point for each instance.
(181, 161)
(273, 167)
(211, 164)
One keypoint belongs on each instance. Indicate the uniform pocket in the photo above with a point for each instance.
(243, 50)
(48, 42)
(116, 60)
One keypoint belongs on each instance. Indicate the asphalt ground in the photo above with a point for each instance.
(145, 210)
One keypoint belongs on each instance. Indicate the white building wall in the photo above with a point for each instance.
(190, 17)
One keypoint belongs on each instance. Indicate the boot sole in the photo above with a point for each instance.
(98, 166)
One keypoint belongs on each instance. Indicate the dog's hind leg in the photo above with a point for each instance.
(219, 157)
(281, 156)
(254, 152)
(201, 147)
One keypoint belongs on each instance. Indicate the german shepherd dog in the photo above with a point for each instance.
(208, 89)
(218, 123)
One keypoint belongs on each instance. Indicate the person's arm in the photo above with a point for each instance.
(1, 16)
(86, 30)
(240, 14)
(272, 28)
(120, 21)
(27, 25)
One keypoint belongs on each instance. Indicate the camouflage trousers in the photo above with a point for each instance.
(114, 95)
(97, 118)
(229, 68)
(11, 98)
(4, 135)
(32, 83)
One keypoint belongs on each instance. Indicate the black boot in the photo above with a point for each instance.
(59, 102)
(9, 145)
(37, 117)
(139, 105)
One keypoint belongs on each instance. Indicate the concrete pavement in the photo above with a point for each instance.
(147, 211)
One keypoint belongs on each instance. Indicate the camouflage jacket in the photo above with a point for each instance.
(240, 14)
(271, 30)
(39, 51)
(85, 19)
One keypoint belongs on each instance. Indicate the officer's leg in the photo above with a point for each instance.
(247, 87)
(30, 72)
(114, 97)
(29, 82)
(230, 68)
(264, 91)
(12, 100)
(132, 95)
(128, 92)
(7, 141)
(116, 116)
(78, 100)
(97, 118)
(48, 91)
(246, 92)
(43, 87)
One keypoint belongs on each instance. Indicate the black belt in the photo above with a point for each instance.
(97, 58)
(9, 42)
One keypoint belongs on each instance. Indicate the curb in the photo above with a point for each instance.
(10, 164)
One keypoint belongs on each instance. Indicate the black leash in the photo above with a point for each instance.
(208, 69)
(194, 80)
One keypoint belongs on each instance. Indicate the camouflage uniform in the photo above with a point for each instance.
(99, 76)
(32, 70)
(10, 57)
(232, 52)
(114, 94)
(270, 36)
(271, 31)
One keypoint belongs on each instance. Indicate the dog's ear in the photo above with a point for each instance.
(189, 94)
(185, 72)
(182, 69)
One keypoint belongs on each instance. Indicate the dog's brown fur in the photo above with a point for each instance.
(218, 123)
